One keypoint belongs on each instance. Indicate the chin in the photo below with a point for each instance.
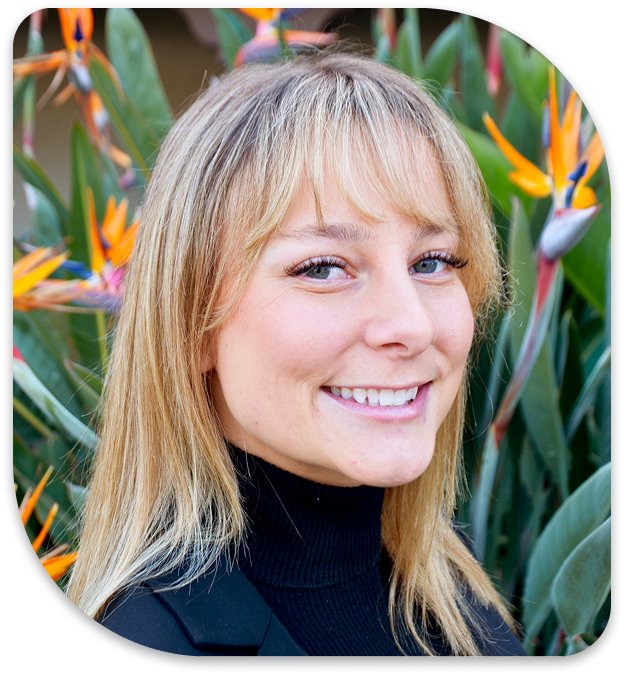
(390, 472)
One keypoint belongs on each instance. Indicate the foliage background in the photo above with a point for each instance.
(560, 435)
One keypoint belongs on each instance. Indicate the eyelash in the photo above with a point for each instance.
(453, 260)
(300, 269)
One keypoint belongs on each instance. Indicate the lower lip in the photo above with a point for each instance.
(385, 413)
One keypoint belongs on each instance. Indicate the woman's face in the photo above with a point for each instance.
(349, 344)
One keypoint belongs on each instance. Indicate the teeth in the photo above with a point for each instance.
(386, 397)
(360, 395)
(399, 397)
(376, 397)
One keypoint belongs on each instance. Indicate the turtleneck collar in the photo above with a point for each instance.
(303, 534)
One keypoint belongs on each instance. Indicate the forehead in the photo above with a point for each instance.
(345, 195)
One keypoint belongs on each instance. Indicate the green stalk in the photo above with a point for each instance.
(32, 419)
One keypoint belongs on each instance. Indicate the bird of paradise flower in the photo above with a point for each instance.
(266, 41)
(574, 208)
(31, 287)
(73, 62)
(56, 562)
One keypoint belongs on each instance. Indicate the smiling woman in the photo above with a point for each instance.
(282, 420)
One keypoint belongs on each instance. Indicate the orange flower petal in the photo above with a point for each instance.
(308, 37)
(556, 141)
(56, 567)
(261, 13)
(115, 222)
(594, 154)
(28, 507)
(533, 188)
(46, 526)
(30, 279)
(527, 168)
(122, 253)
(71, 19)
(40, 64)
(584, 198)
(571, 128)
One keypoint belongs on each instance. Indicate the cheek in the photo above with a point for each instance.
(455, 327)
(287, 341)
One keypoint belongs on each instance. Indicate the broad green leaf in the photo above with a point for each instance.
(44, 345)
(441, 58)
(584, 265)
(475, 96)
(233, 32)
(50, 406)
(584, 581)
(518, 71)
(131, 55)
(539, 402)
(47, 228)
(32, 173)
(140, 139)
(588, 393)
(408, 50)
(383, 53)
(522, 130)
(579, 515)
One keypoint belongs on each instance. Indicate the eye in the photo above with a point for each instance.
(319, 269)
(435, 262)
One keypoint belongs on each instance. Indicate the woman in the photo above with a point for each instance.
(283, 414)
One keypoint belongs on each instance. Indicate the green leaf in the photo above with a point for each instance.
(77, 495)
(579, 515)
(50, 406)
(584, 265)
(584, 581)
(494, 167)
(473, 83)
(32, 173)
(539, 402)
(588, 393)
(140, 139)
(408, 50)
(131, 55)
(47, 228)
(518, 71)
(19, 90)
(43, 344)
(441, 58)
(85, 380)
(233, 32)
(79, 228)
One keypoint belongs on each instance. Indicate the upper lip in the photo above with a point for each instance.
(393, 387)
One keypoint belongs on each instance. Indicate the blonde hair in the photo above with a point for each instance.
(164, 489)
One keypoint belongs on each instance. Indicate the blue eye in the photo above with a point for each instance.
(319, 269)
(429, 266)
(437, 261)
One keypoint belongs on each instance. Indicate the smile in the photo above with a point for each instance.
(376, 397)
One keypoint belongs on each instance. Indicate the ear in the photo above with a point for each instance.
(206, 362)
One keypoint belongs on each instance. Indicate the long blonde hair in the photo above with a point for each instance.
(163, 488)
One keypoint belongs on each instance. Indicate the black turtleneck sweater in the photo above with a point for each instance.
(314, 553)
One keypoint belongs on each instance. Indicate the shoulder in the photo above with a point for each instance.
(218, 614)
(494, 637)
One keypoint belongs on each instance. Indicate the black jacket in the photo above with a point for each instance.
(222, 614)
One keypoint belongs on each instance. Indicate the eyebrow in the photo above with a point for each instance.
(353, 233)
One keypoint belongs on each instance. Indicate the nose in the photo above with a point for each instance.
(399, 320)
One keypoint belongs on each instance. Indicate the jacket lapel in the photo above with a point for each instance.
(224, 610)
